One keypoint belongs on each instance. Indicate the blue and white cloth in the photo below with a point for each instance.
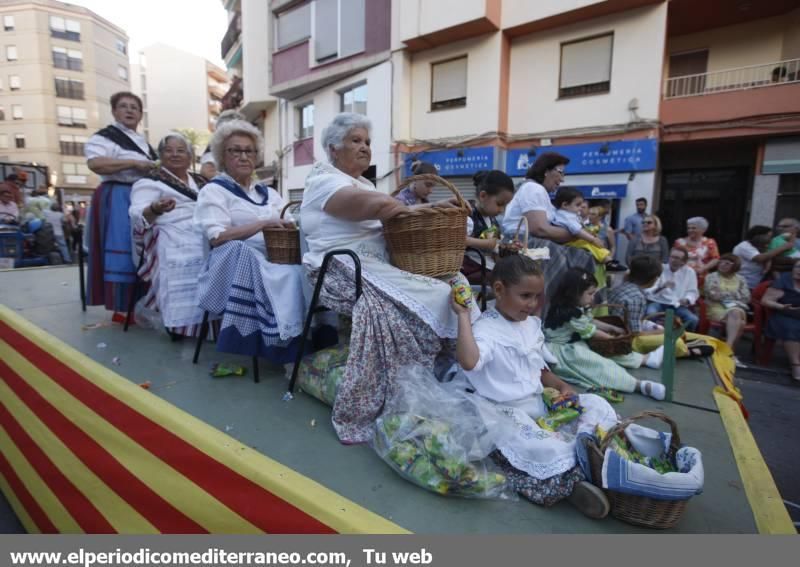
(262, 305)
(622, 475)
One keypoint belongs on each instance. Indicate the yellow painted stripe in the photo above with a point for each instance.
(118, 513)
(334, 510)
(768, 509)
(165, 481)
(39, 490)
(19, 509)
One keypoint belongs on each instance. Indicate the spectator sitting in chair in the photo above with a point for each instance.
(9, 212)
(756, 258)
(786, 231)
(727, 298)
(676, 288)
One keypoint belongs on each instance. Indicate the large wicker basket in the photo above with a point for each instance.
(637, 510)
(283, 244)
(619, 345)
(429, 241)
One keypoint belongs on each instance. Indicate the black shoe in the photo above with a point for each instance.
(614, 266)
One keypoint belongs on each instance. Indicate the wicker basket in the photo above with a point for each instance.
(429, 241)
(619, 345)
(283, 244)
(636, 510)
(517, 245)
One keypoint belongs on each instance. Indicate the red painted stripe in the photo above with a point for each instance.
(260, 507)
(25, 498)
(159, 512)
(79, 507)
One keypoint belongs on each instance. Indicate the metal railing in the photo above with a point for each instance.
(751, 77)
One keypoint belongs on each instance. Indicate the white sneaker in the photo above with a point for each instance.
(653, 390)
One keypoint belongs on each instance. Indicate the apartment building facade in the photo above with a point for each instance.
(190, 99)
(60, 65)
(686, 104)
(245, 50)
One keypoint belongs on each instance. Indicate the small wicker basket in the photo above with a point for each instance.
(517, 245)
(619, 345)
(283, 244)
(637, 510)
(429, 241)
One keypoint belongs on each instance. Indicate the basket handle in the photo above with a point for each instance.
(621, 306)
(675, 442)
(462, 204)
(286, 208)
(523, 220)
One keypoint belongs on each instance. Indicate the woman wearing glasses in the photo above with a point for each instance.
(649, 242)
(237, 280)
(532, 200)
(162, 213)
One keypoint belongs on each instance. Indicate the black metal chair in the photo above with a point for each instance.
(314, 308)
(202, 337)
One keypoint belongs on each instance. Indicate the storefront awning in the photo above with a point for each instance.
(600, 185)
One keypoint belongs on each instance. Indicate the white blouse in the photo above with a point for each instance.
(100, 146)
(218, 210)
(530, 196)
(325, 232)
(147, 190)
(512, 357)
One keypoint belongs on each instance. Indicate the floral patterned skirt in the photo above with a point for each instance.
(386, 336)
(544, 492)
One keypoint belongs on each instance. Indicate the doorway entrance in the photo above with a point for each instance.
(720, 195)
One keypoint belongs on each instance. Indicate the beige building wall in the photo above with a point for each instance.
(483, 77)
(636, 69)
(518, 12)
(175, 100)
(103, 47)
(421, 17)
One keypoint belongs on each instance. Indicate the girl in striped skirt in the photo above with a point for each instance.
(569, 323)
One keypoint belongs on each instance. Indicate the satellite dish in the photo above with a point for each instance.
(633, 104)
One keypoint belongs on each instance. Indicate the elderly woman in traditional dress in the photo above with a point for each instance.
(401, 318)
(532, 201)
(162, 216)
(262, 304)
(120, 156)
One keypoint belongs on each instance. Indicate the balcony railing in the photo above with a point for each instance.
(751, 77)
(234, 30)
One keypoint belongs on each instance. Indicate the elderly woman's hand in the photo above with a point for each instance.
(144, 165)
(162, 206)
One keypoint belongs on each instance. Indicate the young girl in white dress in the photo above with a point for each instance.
(504, 358)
